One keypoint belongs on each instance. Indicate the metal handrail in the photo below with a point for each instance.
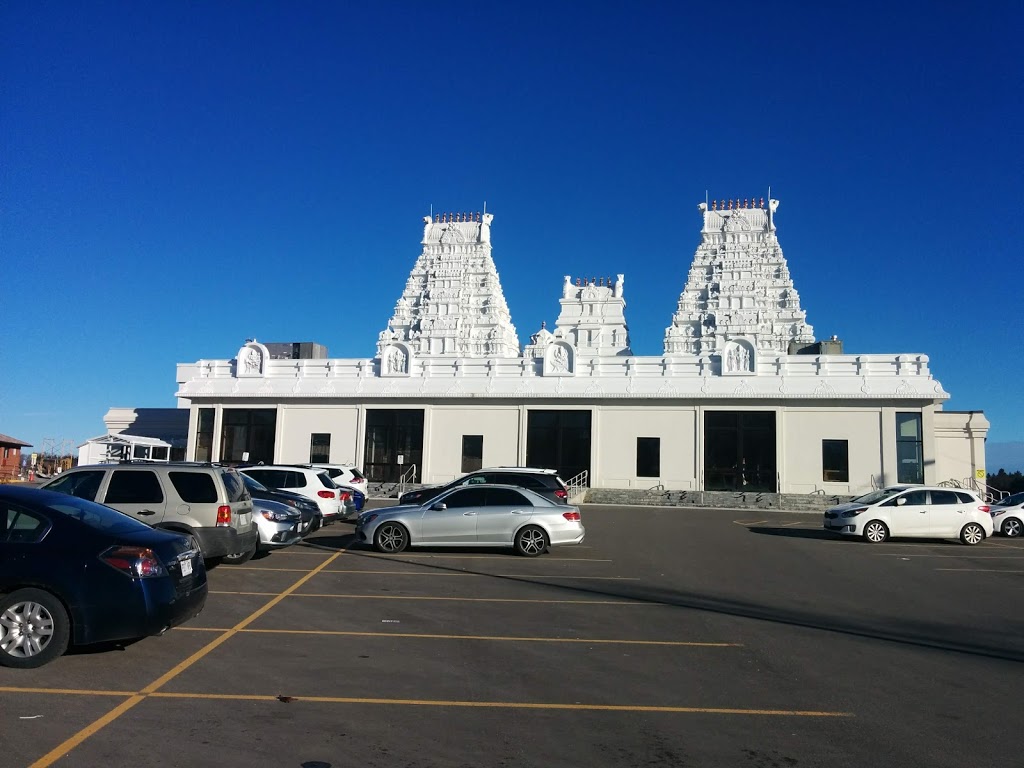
(577, 485)
(407, 477)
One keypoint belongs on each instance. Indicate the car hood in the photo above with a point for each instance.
(388, 511)
(847, 506)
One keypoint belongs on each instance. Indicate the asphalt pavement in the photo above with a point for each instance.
(671, 637)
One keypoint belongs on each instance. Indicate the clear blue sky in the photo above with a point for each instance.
(177, 177)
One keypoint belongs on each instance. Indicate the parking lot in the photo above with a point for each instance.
(671, 637)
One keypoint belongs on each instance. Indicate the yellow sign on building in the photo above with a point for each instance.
(979, 474)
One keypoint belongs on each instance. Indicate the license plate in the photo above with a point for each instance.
(186, 567)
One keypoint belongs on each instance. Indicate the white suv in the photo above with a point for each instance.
(311, 482)
(346, 474)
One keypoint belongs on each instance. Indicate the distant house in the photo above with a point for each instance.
(10, 460)
(151, 434)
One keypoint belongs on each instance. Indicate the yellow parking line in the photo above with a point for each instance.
(418, 574)
(450, 599)
(69, 744)
(497, 638)
(65, 691)
(952, 557)
(979, 570)
(509, 705)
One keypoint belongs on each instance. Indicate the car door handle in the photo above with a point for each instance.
(468, 514)
(146, 512)
(520, 512)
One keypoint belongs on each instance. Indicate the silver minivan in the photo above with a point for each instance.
(210, 503)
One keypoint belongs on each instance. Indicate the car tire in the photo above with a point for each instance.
(530, 541)
(48, 636)
(876, 532)
(391, 538)
(1011, 528)
(243, 557)
(972, 534)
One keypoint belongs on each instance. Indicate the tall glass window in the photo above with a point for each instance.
(247, 434)
(909, 448)
(320, 448)
(835, 461)
(472, 452)
(204, 435)
(648, 457)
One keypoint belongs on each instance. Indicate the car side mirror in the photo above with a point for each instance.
(440, 506)
(901, 501)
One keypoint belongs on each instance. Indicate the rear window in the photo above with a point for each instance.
(128, 486)
(98, 516)
(965, 498)
(325, 480)
(194, 487)
(357, 474)
(234, 486)
(506, 497)
(22, 526)
(945, 497)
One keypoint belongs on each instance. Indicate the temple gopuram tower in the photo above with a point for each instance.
(452, 304)
(739, 289)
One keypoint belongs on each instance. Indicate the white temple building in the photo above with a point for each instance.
(743, 397)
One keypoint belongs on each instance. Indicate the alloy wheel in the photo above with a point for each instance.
(1012, 528)
(875, 532)
(532, 541)
(391, 538)
(973, 534)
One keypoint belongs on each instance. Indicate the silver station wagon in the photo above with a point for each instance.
(474, 516)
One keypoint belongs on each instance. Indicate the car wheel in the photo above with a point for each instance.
(243, 557)
(972, 534)
(1011, 527)
(34, 629)
(875, 532)
(391, 538)
(531, 541)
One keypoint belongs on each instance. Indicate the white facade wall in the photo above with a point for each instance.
(297, 423)
(802, 435)
(444, 427)
(614, 457)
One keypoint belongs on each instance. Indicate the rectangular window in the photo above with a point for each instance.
(204, 434)
(472, 452)
(835, 461)
(648, 457)
(909, 448)
(319, 448)
(159, 453)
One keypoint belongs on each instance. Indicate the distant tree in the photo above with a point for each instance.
(1011, 482)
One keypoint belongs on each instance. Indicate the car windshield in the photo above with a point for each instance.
(875, 496)
(1010, 501)
(98, 516)
(252, 485)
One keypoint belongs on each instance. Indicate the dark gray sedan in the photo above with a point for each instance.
(474, 516)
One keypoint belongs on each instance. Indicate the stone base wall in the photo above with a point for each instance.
(786, 502)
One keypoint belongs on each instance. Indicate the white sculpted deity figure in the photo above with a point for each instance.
(559, 359)
(253, 360)
(397, 360)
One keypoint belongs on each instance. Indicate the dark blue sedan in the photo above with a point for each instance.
(75, 571)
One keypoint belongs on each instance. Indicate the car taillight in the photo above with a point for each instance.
(561, 493)
(573, 517)
(984, 508)
(325, 494)
(223, 515)
(344, 495)
(133, 561)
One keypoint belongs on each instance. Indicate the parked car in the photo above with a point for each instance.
(75, 571)
(1007, 515)
(476, 516)
(208, 502)
(345, 474)
(546, 482)
(279, 526)
(358, 497)
(308, 481)
(309, 509)
(913, 511)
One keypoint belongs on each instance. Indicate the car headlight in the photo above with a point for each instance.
(274, 516)
(853, 512)
(367, 518)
